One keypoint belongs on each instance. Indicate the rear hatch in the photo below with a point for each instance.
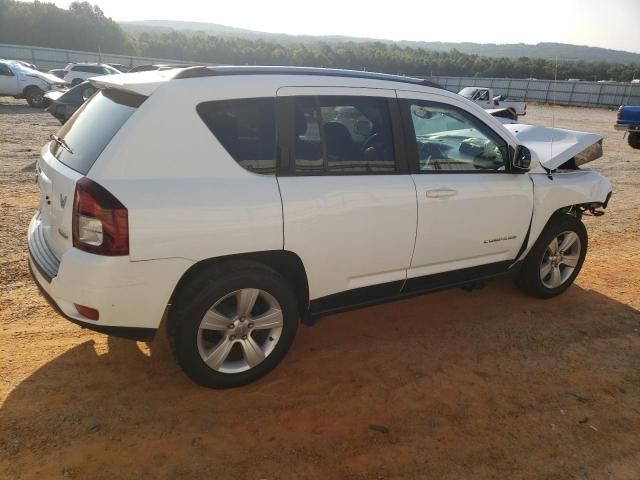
(67, 158)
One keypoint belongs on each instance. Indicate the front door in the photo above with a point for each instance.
(473, 212)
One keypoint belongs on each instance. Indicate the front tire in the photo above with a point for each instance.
(634, 140)
(34, 97)
(232, 324)
(556, 258)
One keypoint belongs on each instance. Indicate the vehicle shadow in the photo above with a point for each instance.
(467, 384)
(17, 107)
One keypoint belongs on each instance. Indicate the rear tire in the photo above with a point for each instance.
(34, 97)
(232, 324)
(634, 140)
(556, 258)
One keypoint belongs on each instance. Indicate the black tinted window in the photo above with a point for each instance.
(92, 127)
(343, 135)
(246, 128)
(5, 70)
(89, 69)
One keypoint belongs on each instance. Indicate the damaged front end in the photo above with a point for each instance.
(556, 148)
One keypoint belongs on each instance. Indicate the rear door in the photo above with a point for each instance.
(81, 141)
(472, 210)
(349, 203)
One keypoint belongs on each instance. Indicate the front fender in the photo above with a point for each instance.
(575, 187)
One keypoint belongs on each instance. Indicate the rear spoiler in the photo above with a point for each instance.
(140, 83)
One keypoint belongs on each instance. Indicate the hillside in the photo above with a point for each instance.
(547, 51)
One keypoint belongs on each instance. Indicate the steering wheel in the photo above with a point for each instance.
(374, 140)
(431, 153)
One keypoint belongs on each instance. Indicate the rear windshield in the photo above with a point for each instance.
(92, 127)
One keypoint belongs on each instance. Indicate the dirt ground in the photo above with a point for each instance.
(488, 384)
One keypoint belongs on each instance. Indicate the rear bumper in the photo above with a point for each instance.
(627, 127)
(131, 297)
(131, 333)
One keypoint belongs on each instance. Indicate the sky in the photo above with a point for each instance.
(600, 23)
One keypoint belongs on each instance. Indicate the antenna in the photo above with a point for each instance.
(553, 117)
(553, 107)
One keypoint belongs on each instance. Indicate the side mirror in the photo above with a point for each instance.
(522, 160)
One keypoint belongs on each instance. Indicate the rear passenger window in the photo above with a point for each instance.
(246, 128)
(336, 134)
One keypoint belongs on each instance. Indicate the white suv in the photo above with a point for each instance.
(76, 73)
(235, 201)
(19, 81)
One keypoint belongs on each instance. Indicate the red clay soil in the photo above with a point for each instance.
(488, 384)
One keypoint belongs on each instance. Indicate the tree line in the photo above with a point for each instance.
(85, 27)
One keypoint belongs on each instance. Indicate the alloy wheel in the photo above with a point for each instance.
(560, 259)
(240, 330)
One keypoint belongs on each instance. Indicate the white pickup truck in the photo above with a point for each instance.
(485, 98)
(20, 81)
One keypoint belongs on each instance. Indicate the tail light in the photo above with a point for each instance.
(619, 112)
(100, 221)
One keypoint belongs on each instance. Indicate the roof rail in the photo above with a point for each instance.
(202, 71)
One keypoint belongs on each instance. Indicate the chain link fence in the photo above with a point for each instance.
(49, 58)
(560, 92)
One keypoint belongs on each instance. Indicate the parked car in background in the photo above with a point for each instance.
(629, 122)
(58, 72)
(63, 104)
(284, 194)
(19, 81)
(76, 73)
(486, 99)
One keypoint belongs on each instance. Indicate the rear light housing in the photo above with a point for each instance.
(100, 221)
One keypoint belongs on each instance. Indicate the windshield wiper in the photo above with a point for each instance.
(61, 142)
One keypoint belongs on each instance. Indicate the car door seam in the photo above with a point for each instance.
(415, 237)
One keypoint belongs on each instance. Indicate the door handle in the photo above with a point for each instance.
(441, 192)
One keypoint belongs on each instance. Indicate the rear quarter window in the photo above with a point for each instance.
(246, 128)
(92, 127)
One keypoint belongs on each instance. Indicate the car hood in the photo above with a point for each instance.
(47, 77)
(555, 146)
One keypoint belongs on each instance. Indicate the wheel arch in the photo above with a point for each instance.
(565, 193)
(31, 86)
(286, 263)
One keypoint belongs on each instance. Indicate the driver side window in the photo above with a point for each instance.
(5, 70)
(451, 139)
(342, 134)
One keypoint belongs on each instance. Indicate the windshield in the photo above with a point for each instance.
(92, 127)
(467, 92)
(22, 68)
